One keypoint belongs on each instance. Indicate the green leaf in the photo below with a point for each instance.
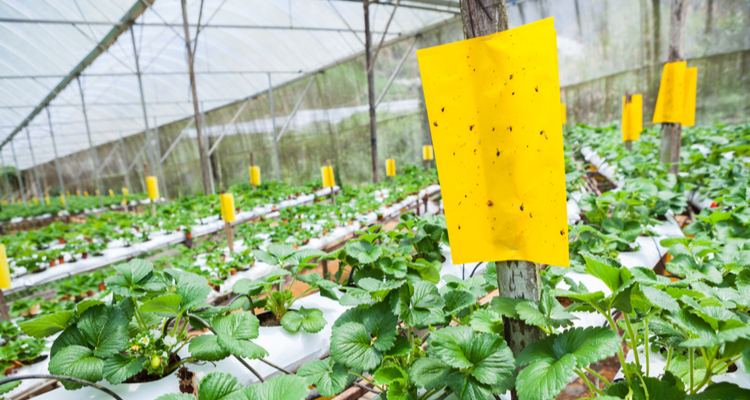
(420, 305)
(86, 304)
(378, 289)
(47, 325)
(309, 319)
(105, 329)
(587, 345)
(239, 325)
(549, 312)
(6, 388)
(389, 373)
(660, 298)
(281, 251)
(486, 321)
(304, 255)
(206, 347)
(746, 358)
(69, 337)
(429, 373)
(118, 368)
(282, 387)
(458, 300)
(545, 379)
(505, 306)
(351, 345)
(219, 386)
(76, 362)
(167, 305)
(379, 321)
(135, 270)
(328, 376)
(722, 391)
(467, 387)
(364, 251)
(241, 347)
(608, 270)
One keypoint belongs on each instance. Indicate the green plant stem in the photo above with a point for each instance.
(709, 373)
(596, 374)
(633, 340)
(692, 365)
(373, 383)
(614, 329)
(645, 343)
(669, 358)
(429, 393)
(591, 386)
(185, 361)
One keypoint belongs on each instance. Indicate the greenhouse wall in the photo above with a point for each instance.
(606, 48)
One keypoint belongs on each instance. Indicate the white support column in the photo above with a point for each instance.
(273, 122)
(18, 174)
(92, 149)
(39, 190)
(57, 160)
(125, 169)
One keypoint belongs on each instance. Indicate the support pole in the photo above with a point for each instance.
(396, 71)
(201, 147)
(628, 143)
(8, 190)
(208, 156)
(39, 191)
(126, 171)
(296, 107)
(143, 100)
(92, 149)
(371, 94)
(671, 133)
(515, 279)
(273, 122)
(18, 174)
(161, 169)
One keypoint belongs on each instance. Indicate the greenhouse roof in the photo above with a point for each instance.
(45, 45)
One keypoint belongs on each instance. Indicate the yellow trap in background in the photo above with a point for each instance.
(632, 117)
(677, 91)
(495, 116)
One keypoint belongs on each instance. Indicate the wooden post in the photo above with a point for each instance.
(4, 313)
(371, 93)
(628, 100)
(252, 164)
(515, 279)
(230, 237)
(671, 133)
(333, 192)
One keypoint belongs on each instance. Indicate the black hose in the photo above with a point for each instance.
(61, 378)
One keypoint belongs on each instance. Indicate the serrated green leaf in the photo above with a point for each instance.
(458, 300)
(467, 387)
(219, 386)
(722, 391)
(486, 321)
(76, 362)
(309, 319)
(363, 251)
(86, 304)
(660, 298)
(167, 305)
(429, 373)
(47, 325)
(6, 388)
(283, 387)
(329, 377)
(389, 373)
(351, 345)
(587, 345)
(69, 337)
(105, 329)
(544, 379)
(206, 347)
(119, 368)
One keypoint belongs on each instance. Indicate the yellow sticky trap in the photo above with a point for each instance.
(632, 117)
(563, 113)
(152, 188)
(67, 192)
(62, 200)
(97, 192)
(691, 85)
(46, 199)
(86, 194)
(4, 270)
(227, 207)
(670, 105)
(125, 192)
(327, 175)
(36, 201)
(78, 193)
(390, 167)
(493, 103)
(255, 175)
(111, 193)
(427, 153)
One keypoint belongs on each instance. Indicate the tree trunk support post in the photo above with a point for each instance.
(333, 191)
(515, 279)
(671, 133)
(39, 190)
(92, 149)
(4, 311)
(198, 122)
(628, 100)
(273, 123)
(371, 93)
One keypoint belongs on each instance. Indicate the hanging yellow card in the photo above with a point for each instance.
(390, 167)
(494, 109)
(427, 152)
(326, 174)
(125, 192)
(152, 188)
(111, 193)
(632, 117)
(227, 207)
(691, 85)
(563, 112)
(4, 270)
(255, 175)
(670, 105)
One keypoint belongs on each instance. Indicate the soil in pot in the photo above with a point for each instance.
(267, 318)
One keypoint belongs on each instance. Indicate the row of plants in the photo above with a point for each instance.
(76, 205)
